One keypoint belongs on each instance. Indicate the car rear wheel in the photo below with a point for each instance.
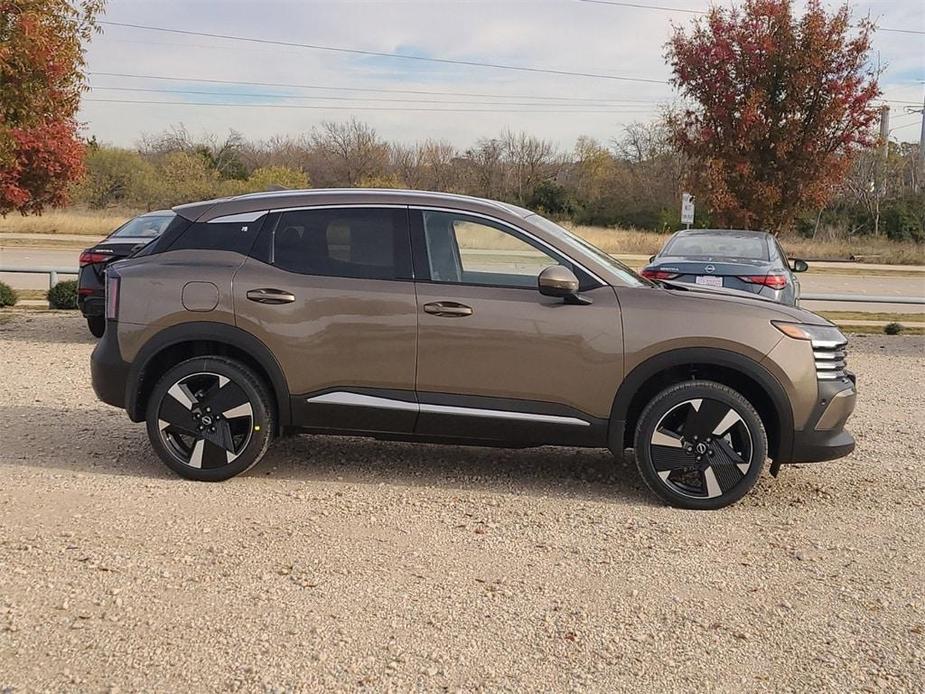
(97, 325)
(700, 445)
(210, 418)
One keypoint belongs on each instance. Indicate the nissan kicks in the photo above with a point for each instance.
(433, 317)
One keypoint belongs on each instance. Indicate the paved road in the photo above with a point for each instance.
(823, 282)
(26, 257)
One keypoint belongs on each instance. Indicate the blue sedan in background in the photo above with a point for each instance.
(749, 261)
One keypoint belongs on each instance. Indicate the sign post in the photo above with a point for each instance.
(687, 209)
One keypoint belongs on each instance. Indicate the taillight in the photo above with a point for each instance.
(772, 281)
(112, 294)
(90, 257)
(658, 274)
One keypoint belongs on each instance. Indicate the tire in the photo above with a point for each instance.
(210, 418)
(97, 325)
(719, 459)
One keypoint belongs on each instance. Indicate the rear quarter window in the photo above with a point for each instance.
(237, 237)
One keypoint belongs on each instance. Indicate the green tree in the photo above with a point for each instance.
(263, 178)
(115, 177)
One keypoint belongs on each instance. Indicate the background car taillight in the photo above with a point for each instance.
(658, 274)
(112, 294)
(772, 281)
(90, 257)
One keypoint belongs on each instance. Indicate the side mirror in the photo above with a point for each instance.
(651, 258)
(559, 281)
(798, 265)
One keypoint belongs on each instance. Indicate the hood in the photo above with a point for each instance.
(753, 301)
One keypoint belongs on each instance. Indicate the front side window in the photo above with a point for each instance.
(360, 243)
(470, 250)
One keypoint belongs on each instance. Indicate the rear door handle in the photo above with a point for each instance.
(447, 309)
(270, 296)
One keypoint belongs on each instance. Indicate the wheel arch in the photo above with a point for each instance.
(739, 372)
(180, 342)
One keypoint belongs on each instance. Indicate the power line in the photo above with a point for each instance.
(907, 125)
(422, 92)
(640, 6)
(361, 108)
(381, 54)
(341, 98)
(663, 8)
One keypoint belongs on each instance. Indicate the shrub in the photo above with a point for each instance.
(893, 328)
(8, 295)
(63, 295)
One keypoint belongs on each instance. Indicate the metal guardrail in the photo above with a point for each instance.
(864, 299)
(53, 273)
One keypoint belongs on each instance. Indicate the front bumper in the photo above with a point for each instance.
(108, 371)
(824, 437)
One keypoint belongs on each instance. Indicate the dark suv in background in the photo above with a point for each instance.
(422, 316)
(134, 234)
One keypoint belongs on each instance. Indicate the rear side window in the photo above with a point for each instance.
(360, 243)
(237, 237)
(143, 227)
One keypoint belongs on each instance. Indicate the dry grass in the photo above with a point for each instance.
(66, 221)
(634, 242)
(617, 241)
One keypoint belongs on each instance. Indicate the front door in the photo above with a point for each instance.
(329, 291)
(498, 361)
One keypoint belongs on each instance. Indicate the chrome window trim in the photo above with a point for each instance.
(516, 228)
(241, 217)
(340, 397)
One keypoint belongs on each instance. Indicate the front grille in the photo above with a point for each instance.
(831, 357)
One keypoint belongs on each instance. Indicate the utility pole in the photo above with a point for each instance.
(922, 136)
(885, 130)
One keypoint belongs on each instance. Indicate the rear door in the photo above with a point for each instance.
(329, 291)
(498, 361)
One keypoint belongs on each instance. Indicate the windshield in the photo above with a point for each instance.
(718, 245)
(626, 275)
(144, 227)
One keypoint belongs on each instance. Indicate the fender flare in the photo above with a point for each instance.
(211, 332)
(711, 356)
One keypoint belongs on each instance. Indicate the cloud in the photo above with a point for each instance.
(558, 34)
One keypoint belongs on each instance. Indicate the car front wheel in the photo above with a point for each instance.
(700, 445)
(210, 418)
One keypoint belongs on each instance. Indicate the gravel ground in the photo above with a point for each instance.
(347, 564)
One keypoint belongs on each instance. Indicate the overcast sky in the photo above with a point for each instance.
(565, 35)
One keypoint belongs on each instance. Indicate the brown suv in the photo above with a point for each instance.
(432, 317)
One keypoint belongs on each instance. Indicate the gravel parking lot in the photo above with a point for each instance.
(346, 564)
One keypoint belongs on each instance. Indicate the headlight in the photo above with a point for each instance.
(819, 335)
(828, 345)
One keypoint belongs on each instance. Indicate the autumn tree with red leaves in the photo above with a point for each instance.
(780, 105)
(41, 79)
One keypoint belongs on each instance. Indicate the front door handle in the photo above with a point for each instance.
(270, 296)
(447, 309)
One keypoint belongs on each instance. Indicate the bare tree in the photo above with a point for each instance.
(351, 152)
(530, 160)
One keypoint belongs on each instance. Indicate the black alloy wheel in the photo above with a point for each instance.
(210, 418)
(700, 445)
